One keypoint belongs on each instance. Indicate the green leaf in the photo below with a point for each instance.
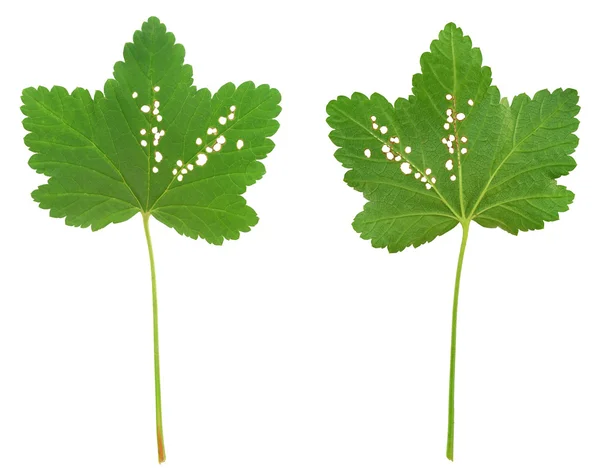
(133, 147)
(454, 152)
(152, 143)
(503, 176)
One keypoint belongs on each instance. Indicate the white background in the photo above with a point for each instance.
(298, 349)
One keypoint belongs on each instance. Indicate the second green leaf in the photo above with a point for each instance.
(455, 152)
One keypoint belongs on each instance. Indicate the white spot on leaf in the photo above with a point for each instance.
(405, 167)
(202, 158)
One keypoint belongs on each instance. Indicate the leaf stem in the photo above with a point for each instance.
(159, 429)
(461, 254)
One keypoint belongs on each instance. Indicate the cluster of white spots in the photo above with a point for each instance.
(158, 156)
(375, 126)
(373, 123)
(451, 139)
(158, 135)
(216, 146)
(183, 170)
(405, 166)
(155, 112)
(231, 116)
